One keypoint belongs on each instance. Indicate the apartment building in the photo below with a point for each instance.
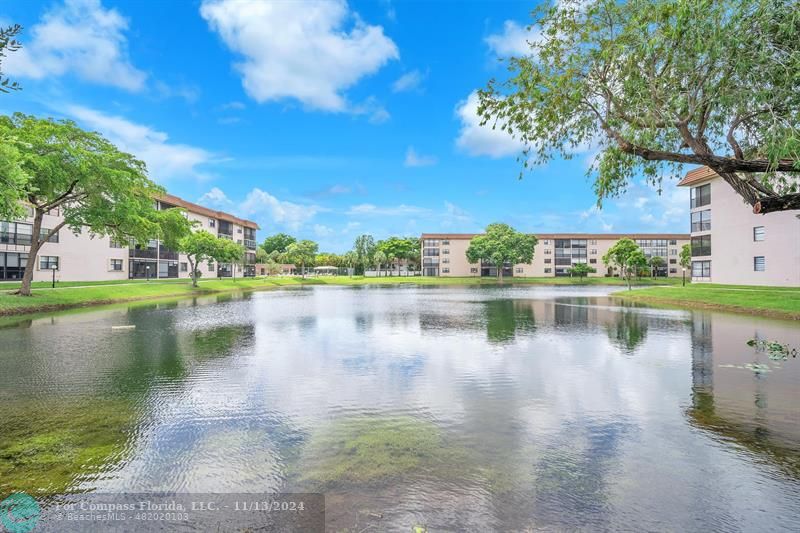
(444, 254)
(738, 246)
(83, 257)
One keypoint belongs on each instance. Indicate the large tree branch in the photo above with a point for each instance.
(62, 198)
(52, 232)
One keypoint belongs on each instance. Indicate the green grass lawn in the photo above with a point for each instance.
(782, 302)
(78, 294)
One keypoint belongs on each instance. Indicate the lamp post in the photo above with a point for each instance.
(684, 276)
(54, 268)
(147, 273)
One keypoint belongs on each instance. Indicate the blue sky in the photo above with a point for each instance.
(322, 119)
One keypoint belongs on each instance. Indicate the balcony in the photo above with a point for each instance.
(250, 244)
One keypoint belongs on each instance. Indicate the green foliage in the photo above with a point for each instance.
(277, 243)
(302, 253)
(775, 350)
(627, 256)
(501, 244)
(686, 256)
(261, 255)
(364, 248)
(8, 43)
(55, 164)
(655, 84)
(397, 248)
(581, 270)
(173, 225)
(201, 246)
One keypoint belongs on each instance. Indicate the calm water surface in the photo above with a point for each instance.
(455, 408)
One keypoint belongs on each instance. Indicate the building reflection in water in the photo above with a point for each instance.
(758, 410)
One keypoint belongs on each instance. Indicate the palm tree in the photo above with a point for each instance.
(379, 258)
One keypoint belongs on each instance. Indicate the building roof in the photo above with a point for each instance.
(697, 175)
(675, 236)
(196, 208)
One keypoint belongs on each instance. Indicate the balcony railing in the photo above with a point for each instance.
(250, 244)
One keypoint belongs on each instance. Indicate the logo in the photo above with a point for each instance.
(19, 513)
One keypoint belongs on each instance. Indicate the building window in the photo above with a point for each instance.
(446, 250)
(47, 262)
(673, 251)
(673, 270)
(115, 244)
(701, 220)
(759, 263)
(212, 223)
(211, 266)
(546, 241)
(430, 252)
(116, 265)
(445, 242)
(473, 270)
(700, 196)
(701, 245)
(547, 270)
(430, 243)
(701, 269)
(673, 243)
(12, 265)
(593, 261)
(445, 270)
(44, 231)
(758, 233)
(238, 230)
(548, 251)
(548, 261)
(184, 267)
(673, 261)
(593, 252)
(519, 270)
(446, 260)
(593, 241)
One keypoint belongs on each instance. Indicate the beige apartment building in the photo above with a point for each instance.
(739, 246)
(83, 257)
(444, 254)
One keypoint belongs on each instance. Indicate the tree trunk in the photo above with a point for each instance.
(500, 274)
(303, 270)
(193, 273)
(27, 276)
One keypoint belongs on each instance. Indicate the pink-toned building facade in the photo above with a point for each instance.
(445, 254)
(733, 245)
(83, 257)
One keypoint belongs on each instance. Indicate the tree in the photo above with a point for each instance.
(655, 263)
(364, 248)
(8, 43)
(501, 244)
(277, 243)
(657, 84)
(56, 166)
(686, 256)
(200, 246)
(349, 260)
(261, 255)
(627, 256)
(230, 253)
(302, 252)
(397, 248)
(380, 259)
(581, 270)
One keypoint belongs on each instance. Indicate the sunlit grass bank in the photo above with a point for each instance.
(779, 302)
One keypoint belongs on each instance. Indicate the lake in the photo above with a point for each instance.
(454, 408)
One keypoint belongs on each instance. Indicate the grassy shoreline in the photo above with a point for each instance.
(69, 295)
(772, 302)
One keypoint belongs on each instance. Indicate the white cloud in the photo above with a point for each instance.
(475, 139)
(321, 230)
(373, 109)
(513, 41)
(374, 210)
(413, 159)
(454, 216)
(215, 198)
(232, 105)
(82, 38)
(164, 160)
(301, 50)
(670, 209)
(260, 203)
(595, 213)
(408, 81)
